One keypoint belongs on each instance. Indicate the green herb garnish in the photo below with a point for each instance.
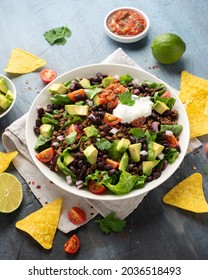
(126, 98)
(57, 35)
(112, 223)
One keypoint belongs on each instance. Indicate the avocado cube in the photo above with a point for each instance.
(134, 150)
(96, 100)
(85, 83)
(4, 102)
(91, 131)
(157, 148)
(124, 162)
(123, 145)
(73, 109)
(91, 154)
(107, 81)
(10, 95)
(58, 88)
(68, 159)
(147, 166)
(160, 107)
(3, 86)
(46, 130)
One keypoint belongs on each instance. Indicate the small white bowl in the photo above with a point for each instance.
(12, 88)
(127, 38)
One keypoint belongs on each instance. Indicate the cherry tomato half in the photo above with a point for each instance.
(72, 245)
(172, 141)
(46, 155)
(74, 128)
(111, 119)
(96, 188)
(166, 94)
(47, 75)
(77, 216)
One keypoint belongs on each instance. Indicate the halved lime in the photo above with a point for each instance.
(11, 194)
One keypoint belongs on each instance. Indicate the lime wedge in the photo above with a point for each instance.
(10, 193)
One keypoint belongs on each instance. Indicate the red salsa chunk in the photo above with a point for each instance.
(126, 22)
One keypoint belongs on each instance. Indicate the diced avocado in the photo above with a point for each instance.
(10, 95)
(91, 154)
(46, 130)
(124, 162)
(91, 131)
(85, 83)
(123, 145)
(3, 86)
(68, 159)
(147, 166)
(96, 100)
(134, 150)
(157, 148)
(160, 107)
(175, 128)
(81, 110)
(107, 81)
(58, 88)
(4, 102)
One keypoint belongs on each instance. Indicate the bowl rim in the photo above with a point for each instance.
(14, 91)
(127, 39)
(94, 68)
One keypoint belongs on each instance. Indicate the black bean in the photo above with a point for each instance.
(38, 122)
(73, 169)
(166, 150)
(156, 175)
(100, 165)
(108, 167)
(149, 178)
(41, 112)
(80, 163)
(112, 172)
(36, 130)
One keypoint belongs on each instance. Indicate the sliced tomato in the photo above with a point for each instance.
(77, 95)
(113, 163)
(166, 94)
(172, 141)
(72, 245)
(74, 128)
(111, 119)
(96, 188)
(46, 155)
(77, 215)
(48, 75)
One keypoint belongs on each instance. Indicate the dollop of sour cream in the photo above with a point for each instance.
(141, 108)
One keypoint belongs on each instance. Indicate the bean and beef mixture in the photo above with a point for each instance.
(108, 132)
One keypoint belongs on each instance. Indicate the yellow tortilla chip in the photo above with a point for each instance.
(22, 62)
(42, 224)
(194, 94)
(188, 195)
(5, 160)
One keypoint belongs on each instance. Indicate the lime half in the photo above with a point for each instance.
(10, 193)
(168, 48)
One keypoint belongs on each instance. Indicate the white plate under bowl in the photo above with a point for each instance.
(111, 69)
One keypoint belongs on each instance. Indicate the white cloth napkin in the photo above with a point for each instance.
(45, 191)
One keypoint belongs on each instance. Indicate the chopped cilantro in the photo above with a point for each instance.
(125, 79)
(103, 144)
(126, 99)
(57, 35)
(112, 223)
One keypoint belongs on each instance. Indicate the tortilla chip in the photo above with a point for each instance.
(22, 62)
(42, 224)
(5, 160)
(188, 195)
(194, 94)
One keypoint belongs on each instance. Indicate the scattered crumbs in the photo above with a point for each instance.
(190, 149)
(91, 206)
(194, 167)
(33, 183)
(46, 202)
(155, 67)
(196, 151)
(38, 187)
(29, 183)
(92, 214)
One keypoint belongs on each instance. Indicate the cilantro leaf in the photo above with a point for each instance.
(126, 99)
(57, 35)
(125, 79)
(112, 223)
(137, 132)
(103, 144)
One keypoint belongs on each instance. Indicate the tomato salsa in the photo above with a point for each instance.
(126, 22)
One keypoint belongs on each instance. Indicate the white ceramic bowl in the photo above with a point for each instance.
(11, 87)
(127, 39)
(112, 69)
